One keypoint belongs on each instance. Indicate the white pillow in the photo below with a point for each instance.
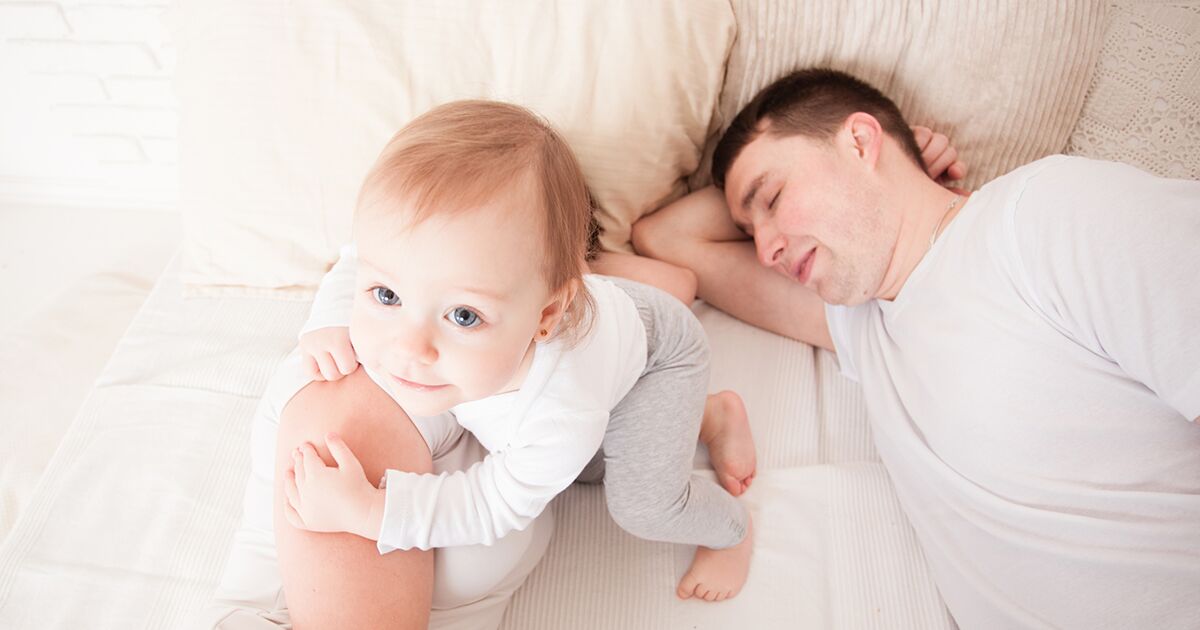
(1005, 81)
(1143, 107)
(285, 104)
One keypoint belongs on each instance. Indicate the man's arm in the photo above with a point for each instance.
(678, 281)
(697, 233)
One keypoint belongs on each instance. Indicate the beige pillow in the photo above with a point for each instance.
(1143, 107)
(285, 104)
(1005, 81)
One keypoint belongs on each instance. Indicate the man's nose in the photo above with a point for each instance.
(770, 247)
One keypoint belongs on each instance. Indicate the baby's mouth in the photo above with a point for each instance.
(413, 385)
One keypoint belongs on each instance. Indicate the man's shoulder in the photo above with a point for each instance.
(1096, 195)
(1068, 166)
(1073, 183)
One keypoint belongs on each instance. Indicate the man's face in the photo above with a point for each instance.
(815, 213)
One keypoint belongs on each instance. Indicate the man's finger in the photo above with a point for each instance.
(941, 166)
(342, 454)
(934, 151)
(922, 136)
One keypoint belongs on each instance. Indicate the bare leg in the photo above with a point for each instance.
(696, 232)
(341, 580)
(726, 432)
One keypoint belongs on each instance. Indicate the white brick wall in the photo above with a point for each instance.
(87, 113)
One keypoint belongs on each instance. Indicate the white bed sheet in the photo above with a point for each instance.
(131, 521)
(71, 278)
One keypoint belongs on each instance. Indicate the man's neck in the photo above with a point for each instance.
(923, 205)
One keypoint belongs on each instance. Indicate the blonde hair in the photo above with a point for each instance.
(463, 154)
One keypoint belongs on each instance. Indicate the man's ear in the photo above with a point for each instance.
(865, 136)
(556, 308)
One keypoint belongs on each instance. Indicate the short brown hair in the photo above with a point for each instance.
(463, 154)
(813, 102)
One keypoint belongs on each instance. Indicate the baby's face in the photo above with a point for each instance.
(447, 310)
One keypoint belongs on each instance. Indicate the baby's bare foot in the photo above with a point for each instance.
(718, 574)
(726, 432)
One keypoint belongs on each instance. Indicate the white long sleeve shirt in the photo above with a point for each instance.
(539, 437)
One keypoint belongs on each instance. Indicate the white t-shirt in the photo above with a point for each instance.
(1031, 391)
(539, 437)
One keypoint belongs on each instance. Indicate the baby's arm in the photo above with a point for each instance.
(502, 493)
(325, 337)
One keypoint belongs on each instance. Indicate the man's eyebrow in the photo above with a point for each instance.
(754, 186)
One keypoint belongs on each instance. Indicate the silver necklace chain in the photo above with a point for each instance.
(953, 202)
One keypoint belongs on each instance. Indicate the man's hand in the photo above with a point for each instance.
(329, 352)
(338, 498)
(941, 159)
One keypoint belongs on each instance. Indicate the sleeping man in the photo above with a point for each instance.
(1029, 353)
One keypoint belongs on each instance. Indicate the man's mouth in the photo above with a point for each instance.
(803, 267)
(420, 387)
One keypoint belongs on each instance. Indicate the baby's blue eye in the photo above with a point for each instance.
(385, 296)
(464, 317)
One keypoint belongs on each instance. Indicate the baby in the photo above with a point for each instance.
(465, 291)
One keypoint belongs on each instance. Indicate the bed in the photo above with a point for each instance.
(129, 525)
(141, 544)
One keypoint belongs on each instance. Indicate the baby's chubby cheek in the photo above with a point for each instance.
(363, 338)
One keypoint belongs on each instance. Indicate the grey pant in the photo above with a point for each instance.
(645, 460)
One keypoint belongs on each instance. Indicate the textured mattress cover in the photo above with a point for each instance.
(131, 522)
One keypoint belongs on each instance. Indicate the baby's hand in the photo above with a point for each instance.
(329, 352)
(941, 159)
(338, 498)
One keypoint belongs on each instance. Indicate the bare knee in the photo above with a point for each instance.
(341, 580)
(379, 432)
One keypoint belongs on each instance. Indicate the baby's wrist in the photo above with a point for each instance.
(372, 519)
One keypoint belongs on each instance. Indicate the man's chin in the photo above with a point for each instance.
(838, 297)
(854, 301)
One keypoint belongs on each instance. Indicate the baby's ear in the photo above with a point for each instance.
(557, 306)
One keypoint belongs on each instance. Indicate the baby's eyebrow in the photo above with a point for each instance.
(374, 267)
(491, 294)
